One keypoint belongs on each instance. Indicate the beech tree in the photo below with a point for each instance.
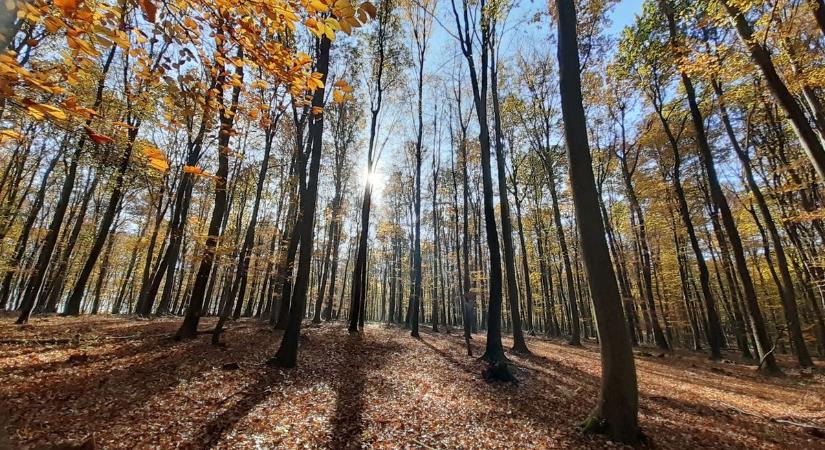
(617, 408)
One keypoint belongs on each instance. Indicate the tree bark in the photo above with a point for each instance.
(617, 408)
(287, 353)
(519, 345)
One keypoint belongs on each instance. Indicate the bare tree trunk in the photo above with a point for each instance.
(575, 330)
(287, 353)
(20, 247)
(617, 408)
(34, 285)
(519, 346)
(73, 304)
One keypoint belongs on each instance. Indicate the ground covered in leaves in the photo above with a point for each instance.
(129, 385)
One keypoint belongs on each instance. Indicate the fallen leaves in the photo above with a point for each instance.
(131, 386)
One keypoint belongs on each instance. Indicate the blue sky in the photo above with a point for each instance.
(624, 13)
(443, 60)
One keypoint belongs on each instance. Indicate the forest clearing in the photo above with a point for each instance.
(425, 224)
(128, 384)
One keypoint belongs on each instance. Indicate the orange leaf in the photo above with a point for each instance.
(67, 6)
(150, 11)
(159, 164)
(153, 152)
(99, 139)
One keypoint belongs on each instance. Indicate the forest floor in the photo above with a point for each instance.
(129, 385)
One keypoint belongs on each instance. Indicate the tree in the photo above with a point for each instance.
(382, 76)
(519, 346)
(189, 327)
(761, 57)
(420, 17)
(617, 407)
(719, 199)
(494, 352)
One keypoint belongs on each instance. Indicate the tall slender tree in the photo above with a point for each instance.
(617, 410)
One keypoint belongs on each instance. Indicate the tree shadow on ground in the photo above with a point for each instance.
(364, 355)
(211, 433)
(361, 357)
(105, 390)
(150, 393)
(554, 395)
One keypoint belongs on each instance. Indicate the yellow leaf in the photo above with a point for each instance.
(319, 5)
(152, 152)
(289, 15)
(120, 39)
(6, 135)
(39, 110)
(332, 23)
(159, 164)
(82, 46)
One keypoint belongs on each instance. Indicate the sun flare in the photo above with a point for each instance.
(374, 178)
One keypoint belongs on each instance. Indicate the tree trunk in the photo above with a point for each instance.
(73, 304)
(718, 197)
(575, 333)
(519, 346)
(20, 247)
(33, 287)
(786, 288)
(287, 353)
(104, 267)
(525, 268)
(762, 58)
(617, 407)
(642, 249)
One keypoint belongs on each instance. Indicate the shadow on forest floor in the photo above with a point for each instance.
(379, 388)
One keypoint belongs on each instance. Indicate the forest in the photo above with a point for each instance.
(419, 224)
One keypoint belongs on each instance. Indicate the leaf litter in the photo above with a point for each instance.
(128, 384)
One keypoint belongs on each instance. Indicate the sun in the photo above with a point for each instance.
(374, 178)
